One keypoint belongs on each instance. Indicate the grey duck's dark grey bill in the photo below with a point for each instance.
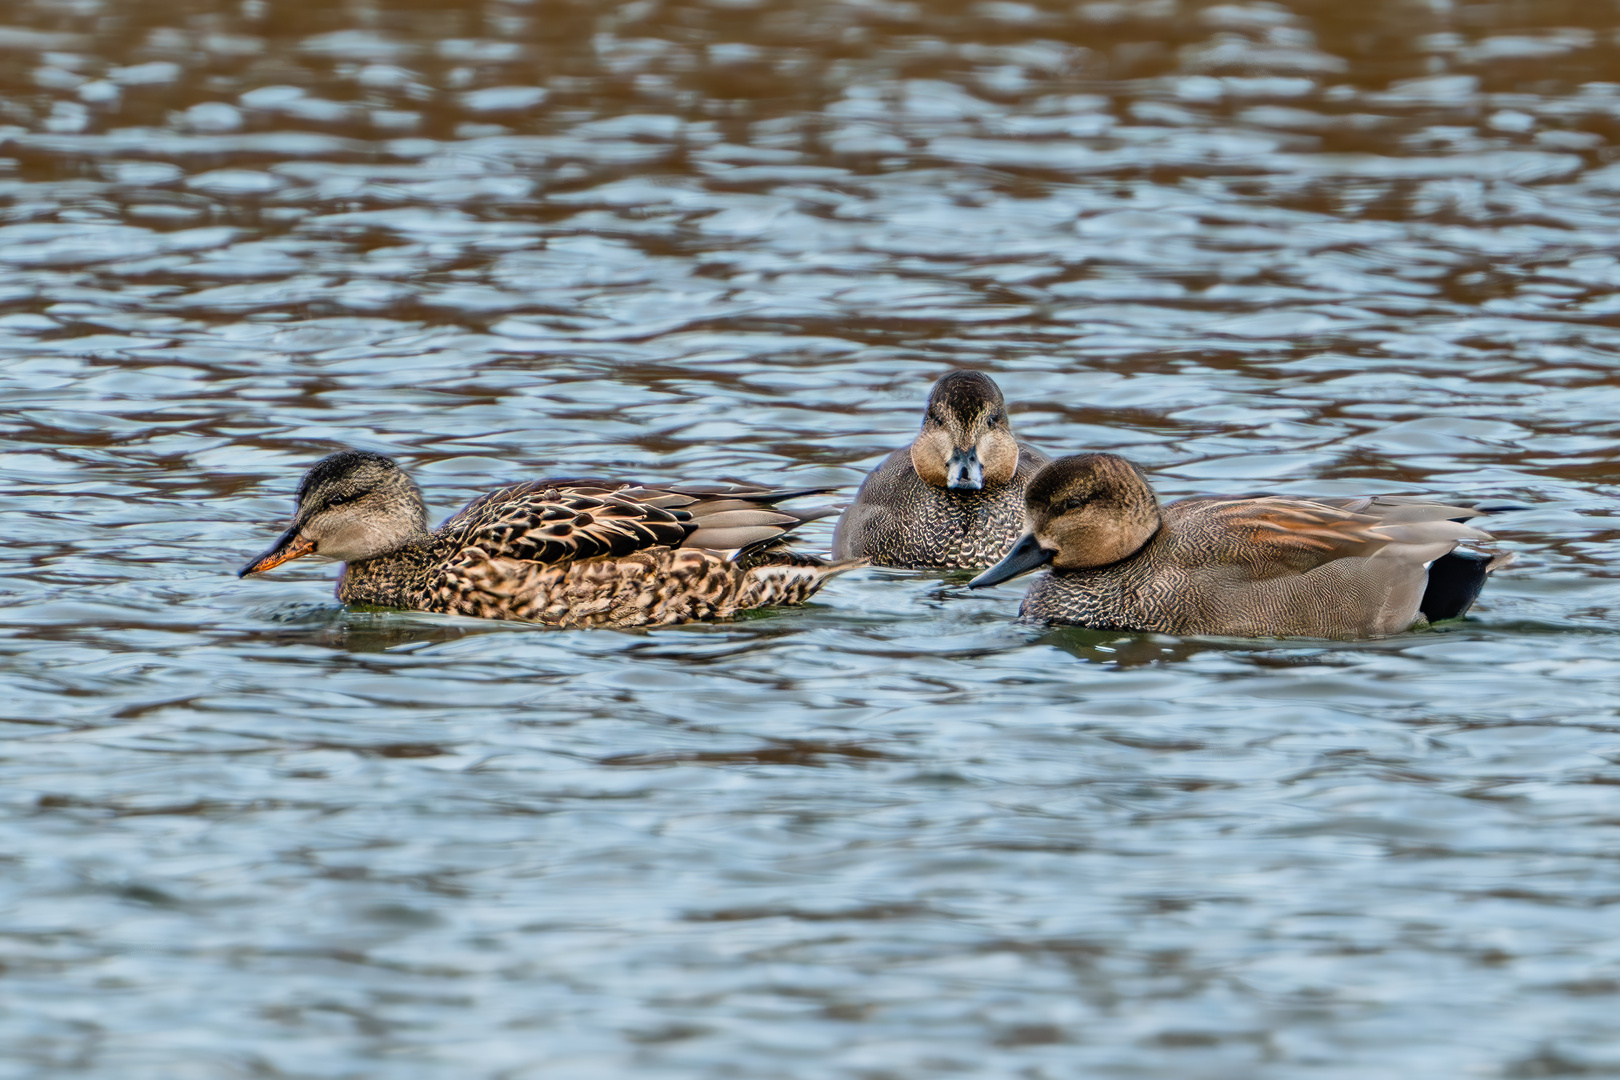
(1025, 556)
(964, 472)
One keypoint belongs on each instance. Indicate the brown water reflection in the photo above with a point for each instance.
(1309, 247)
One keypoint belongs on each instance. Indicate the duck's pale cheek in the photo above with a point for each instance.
(351, 539)
(930, 455)
(999, 452)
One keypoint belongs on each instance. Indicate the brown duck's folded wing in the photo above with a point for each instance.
(545, 523)
(748, 492)
(539, 523)
(734, 517)
(669, 496)
(736, 525)
(1276, 535)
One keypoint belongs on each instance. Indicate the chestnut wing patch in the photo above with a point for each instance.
(1280, 535)
(1277, 535)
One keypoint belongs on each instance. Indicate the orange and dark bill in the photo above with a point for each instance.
(290, 546)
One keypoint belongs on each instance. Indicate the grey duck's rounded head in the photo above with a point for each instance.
(1081, 512)
(352, 506)
(966, 443)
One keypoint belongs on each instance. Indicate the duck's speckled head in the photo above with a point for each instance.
(352, 506)
(1082, 511)
(966, 443)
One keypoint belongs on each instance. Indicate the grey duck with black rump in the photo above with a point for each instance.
(1263, 566)
(563, 553)
(954, 498)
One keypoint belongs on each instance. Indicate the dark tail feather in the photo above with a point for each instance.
(1454, 583)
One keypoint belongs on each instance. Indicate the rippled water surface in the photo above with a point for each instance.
(1305, 247)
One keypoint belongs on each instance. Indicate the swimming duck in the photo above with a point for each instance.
(954, 498)
(1259, 566)
(562, 553)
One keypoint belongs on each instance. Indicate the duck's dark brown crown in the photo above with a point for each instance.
(966, 393)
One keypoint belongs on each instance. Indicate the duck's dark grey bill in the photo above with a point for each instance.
(1025, 556)
(963, 472)
(290, 546)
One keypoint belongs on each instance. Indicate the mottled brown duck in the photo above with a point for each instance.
(561, 553)
(954, 498)
(1262, 566)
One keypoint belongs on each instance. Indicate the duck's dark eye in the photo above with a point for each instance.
(997, 417)
(341, 500)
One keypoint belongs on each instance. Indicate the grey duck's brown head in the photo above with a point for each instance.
(352, 506)
(1080, 512)
(966, 443)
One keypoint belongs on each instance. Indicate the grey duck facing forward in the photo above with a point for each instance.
(954, 498)
(561, 553)
(1261, 566)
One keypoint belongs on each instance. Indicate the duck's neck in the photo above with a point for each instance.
(393, 578)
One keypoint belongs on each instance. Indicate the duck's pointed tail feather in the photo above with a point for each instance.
(791, 577)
